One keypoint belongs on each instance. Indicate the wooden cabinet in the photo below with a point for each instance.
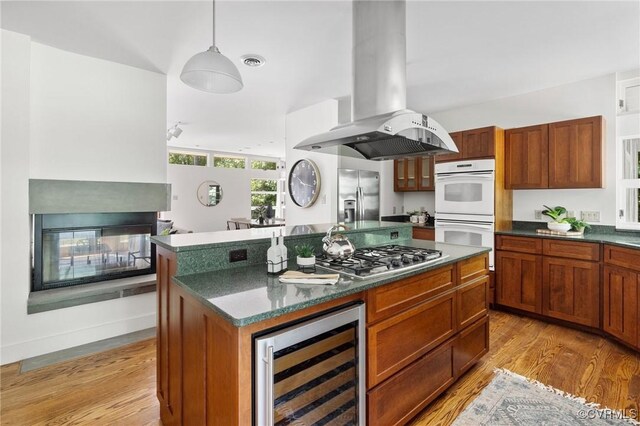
(479, 143)
(571, 291)
(413, 174)
(396, 342)
(566, 154)
(472, 302)
(621, 313)
(457, 139)
(424, 233)
(519, 280)
(519, 244)
(575, 153)
(527, 157)
(476, 143)
(471, 344)
(404, 395)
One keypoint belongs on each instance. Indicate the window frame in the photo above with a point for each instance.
(237, 157)
(277, 208)
(622, 185)
(206, 156)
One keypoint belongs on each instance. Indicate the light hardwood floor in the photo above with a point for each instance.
(118, 386)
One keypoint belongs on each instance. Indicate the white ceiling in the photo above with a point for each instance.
(458, 53)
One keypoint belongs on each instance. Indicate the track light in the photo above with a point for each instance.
(174, 132)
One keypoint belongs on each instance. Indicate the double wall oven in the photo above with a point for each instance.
(465, 196)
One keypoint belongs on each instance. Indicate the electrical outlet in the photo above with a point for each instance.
(537, 214)
(394, 235)
(175, 198)
(237, 255)
(394, 209)
(570, 213)
(401, 209)
(591, 216)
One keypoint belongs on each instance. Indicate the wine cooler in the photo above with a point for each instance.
(312, 373)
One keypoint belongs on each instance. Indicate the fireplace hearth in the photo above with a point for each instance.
(80, 248)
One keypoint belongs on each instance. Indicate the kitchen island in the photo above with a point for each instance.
(424, 327)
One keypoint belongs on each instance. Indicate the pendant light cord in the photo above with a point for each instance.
(213, 23)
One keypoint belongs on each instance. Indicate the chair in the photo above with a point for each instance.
(243, 225)
(232, 225)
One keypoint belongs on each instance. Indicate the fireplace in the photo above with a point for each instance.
(80, 248)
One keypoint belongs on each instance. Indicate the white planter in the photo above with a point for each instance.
(561, 227)
(306, 261)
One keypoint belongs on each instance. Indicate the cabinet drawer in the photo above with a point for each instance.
(472, 301)
(403, 396)
(424, 234)
(572, 249)
(519, 244)
(470, 269)
(470, 346)
(390, 299)
(396, 342)
(621, 256)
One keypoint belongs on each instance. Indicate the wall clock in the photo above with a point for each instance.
(304, 183)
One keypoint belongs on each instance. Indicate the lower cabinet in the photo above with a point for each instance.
(424, 233)
(518, 280)
(571, 291)
(470, 346)
(621, 311)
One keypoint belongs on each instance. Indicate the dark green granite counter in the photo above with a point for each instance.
(247, 295)
(621, 238)
(204, 240)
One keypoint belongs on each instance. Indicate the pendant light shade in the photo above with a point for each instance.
(211, 71)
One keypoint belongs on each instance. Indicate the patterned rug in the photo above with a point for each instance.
(510, 399)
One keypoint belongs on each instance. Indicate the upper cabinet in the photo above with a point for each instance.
(575, 153)
(566, 154)
(413, 174)
(475, 143)
(527, 157)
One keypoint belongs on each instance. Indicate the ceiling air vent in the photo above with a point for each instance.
(253, 60)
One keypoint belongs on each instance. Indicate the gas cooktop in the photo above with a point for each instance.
(382, 260)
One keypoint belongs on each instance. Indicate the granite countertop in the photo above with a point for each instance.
(629, 239)
(202, 240)
(247, 295)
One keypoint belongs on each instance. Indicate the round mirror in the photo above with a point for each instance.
(209, 193)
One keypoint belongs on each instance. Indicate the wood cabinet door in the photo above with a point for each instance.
(575, 153)
(479, 143)
(471, 345)
(405, 174)
(526, 162)
(396, 342)
(621, 304)
(424, 233)
(457, 139)
(399, 399)
(519, 280)
(473, 301)
(426, 177)
(571, 290)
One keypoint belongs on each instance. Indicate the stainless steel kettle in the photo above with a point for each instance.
(337, 246)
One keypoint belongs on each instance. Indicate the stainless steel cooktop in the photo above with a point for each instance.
(382, 260)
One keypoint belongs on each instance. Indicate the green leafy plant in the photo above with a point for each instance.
(577, 224)
(305, 250)
(166, 232)
(260, 211)
(555, 213)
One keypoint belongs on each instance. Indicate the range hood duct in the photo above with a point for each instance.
(382, 127)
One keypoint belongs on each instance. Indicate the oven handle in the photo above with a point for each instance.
(463, 226)
(460, 176)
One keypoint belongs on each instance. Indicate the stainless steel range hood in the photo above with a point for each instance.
(382, 127)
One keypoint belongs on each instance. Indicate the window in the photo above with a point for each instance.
(629, 96)
(629, 185)
(263, 165)
(264, 192)
(229, 162)
(190, 159)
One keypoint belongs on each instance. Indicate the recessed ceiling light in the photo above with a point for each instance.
(253, 60)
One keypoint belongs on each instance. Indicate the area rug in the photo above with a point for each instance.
(510, 399)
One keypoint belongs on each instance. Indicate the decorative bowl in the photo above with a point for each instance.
(561, 227)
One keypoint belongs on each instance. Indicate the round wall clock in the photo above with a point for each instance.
(304, 183)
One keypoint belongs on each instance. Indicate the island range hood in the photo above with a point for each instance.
(382, 127)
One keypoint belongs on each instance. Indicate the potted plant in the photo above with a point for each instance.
(577, 224)
(260, 211)
(305, 255)
(559, 222)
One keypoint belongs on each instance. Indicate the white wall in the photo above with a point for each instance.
(299, 125)
(187, 212)
(581, 99)
(58, 125)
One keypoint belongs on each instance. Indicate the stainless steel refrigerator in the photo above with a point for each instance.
(358, 195)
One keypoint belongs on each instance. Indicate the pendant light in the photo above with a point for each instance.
(211, 71)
